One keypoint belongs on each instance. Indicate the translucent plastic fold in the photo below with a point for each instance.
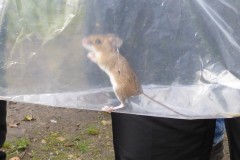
(185, 53)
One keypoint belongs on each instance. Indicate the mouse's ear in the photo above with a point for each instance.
(115, 40)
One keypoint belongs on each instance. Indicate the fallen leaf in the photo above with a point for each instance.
(14, 158)
(68, 145)
(61, 139)
(53, 121)
(43, 141)
(70, 156)
(104, 122)
(13, 124)
(28, 118)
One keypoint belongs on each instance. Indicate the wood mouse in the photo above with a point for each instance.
(103, 50)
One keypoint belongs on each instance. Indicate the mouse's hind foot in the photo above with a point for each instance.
(110, 109)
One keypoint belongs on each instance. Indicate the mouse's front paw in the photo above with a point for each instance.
(92, 57)
(108, 109)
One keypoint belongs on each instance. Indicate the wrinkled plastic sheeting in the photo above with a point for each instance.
(185, 53)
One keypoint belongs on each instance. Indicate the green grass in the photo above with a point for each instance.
(7, 145)
(22, 144)
(82, 146)
(92, 130)
(16, 146)
(88, 142)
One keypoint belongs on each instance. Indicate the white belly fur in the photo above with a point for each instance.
(112, 80)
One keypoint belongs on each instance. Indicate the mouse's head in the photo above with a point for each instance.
(106, 43)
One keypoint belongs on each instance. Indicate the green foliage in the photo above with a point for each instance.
(22, 143)
(43, 19)
(16, 145)
(42, 39)
(7, 145)
(82, 146)
(92, 130)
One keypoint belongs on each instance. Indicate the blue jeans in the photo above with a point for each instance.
(219, 131)
(217, 148)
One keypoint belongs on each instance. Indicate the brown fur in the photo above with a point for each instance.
(104, 52)
(114, 64)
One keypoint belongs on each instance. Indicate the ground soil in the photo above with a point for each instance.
(60, 133)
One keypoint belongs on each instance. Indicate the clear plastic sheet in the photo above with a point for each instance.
(186, 54)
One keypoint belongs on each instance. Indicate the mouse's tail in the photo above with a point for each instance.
(164, 105)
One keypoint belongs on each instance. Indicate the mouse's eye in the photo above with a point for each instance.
(98, 41)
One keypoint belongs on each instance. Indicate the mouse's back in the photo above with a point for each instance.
(105, 50)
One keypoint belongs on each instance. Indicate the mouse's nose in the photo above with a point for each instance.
(86, 41)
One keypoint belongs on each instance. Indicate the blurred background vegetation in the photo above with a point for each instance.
(43, 45)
